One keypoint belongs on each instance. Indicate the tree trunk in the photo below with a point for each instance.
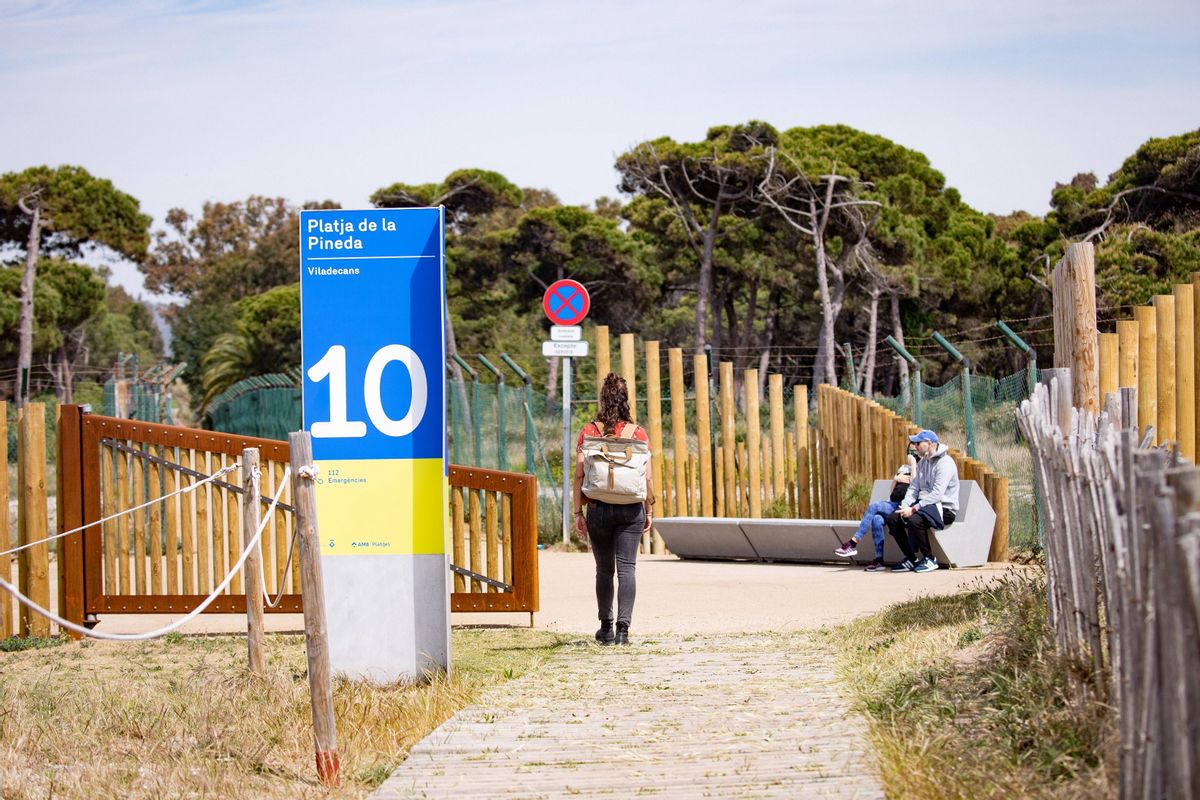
(552, 382)
(64, 377)
(731, 332)
(25, 335)
(718, 304)
(868, 381)
(898, 335)
(704, 289)
(456, 371)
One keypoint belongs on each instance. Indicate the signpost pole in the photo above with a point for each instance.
(568, 465)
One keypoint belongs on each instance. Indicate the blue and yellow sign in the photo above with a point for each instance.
(372, 295)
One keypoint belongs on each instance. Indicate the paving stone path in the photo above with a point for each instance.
(753, 715)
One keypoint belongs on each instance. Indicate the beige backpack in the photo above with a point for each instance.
(614, 468)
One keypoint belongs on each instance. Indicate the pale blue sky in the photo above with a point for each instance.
(183, 102)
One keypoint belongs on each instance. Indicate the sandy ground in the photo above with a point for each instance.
(674, 596)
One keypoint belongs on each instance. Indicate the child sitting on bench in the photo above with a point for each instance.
(875, 516)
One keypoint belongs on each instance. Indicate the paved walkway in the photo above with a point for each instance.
(752, 715)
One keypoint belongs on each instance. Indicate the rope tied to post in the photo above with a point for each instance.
(182, 491)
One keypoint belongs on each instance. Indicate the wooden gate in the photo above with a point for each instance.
(168, 556)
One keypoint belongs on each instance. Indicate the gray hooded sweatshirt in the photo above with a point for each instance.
(936, 481)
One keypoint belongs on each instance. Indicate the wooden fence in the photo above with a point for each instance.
(166, 557)
(723, 456)
(1156, 352)
(1123, 566)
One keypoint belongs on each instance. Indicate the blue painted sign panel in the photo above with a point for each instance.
(372, 286)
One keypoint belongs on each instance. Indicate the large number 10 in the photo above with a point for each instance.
(333, 366)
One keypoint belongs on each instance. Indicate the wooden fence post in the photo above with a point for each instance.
(1185, 375)
(654, 415)
(753, 440)
(1147, 370)
(69, 474)
(34, 562)
(254, 588)
(1127, 371)
(678, 430)
(629, 372)
(313, 591)
(1075, 345)
(1110, 356)
(778, 451)
(1164, 320)
(800, 401)
(1196, 355)
(703, 433)
(999, 497)
(728, 438)
(6, 602)
(602, 359)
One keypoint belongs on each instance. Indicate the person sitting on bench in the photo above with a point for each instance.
(931, 502)
(873, 519)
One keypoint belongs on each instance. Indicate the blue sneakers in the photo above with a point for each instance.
(904, 566)
(928, 565)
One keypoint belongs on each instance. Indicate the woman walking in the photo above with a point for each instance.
(613, 480)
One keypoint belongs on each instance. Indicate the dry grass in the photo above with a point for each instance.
(179, 717)
(966, 698)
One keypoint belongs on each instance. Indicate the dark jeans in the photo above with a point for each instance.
(912, 534)
(615, 531)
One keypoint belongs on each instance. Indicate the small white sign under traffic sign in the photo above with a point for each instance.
(566, 333)
(565, 349)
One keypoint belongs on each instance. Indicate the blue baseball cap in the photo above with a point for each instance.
(924, 436)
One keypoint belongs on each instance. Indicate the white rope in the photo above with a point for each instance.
(138, 637)
(282, 580)
(111, 517)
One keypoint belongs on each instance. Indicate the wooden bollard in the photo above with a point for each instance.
(753, 441)
(313, 592)
(997, 492)
(703, 434)
(33, 563)
(629, 372)
(1185, 372)
(654, 418)
(251, 518)
(602, 357)
(728, 438)
(678, 431)
(1147, 369)
(1164, 311)
(6, 604)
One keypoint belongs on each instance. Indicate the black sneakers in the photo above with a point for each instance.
(622, 636)
(605, 635)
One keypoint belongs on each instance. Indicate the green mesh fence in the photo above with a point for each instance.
(267, 406)
(998, 441)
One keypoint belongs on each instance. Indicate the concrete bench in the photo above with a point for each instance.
(963, 544)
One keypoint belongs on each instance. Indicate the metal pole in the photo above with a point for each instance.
(566, 451)
(968, 401)
(1031, 377)
(916, 365)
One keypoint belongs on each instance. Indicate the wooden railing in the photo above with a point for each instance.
(167, 557)
(493, 535)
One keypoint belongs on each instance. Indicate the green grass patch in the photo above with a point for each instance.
(967, 698)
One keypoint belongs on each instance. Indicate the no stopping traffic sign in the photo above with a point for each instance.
(566, 302)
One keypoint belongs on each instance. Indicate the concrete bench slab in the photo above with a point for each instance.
(963, 544)
(706, 537)
(796, 539)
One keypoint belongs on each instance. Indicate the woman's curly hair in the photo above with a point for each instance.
(614, 403)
